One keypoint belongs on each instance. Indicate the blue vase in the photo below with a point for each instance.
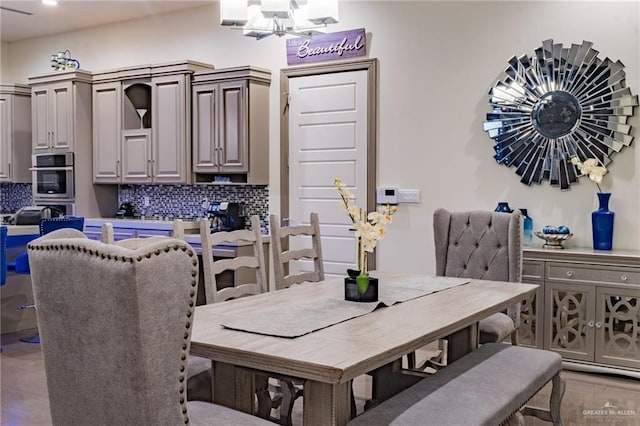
(602, 223)
(503, 207)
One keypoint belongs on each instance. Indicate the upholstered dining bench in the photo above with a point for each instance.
(488, 386)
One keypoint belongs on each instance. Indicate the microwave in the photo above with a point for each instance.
(53, 176)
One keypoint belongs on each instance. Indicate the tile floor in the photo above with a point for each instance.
(24, 401)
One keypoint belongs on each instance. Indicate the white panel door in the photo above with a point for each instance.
(327, 139)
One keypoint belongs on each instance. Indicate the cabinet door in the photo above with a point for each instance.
(146, 233)
(618, 326)
(60, 117)
(41, 135)
(93, 232)
(123, 233)
(107, 101)
(233, 152)
(531, 311)
(570, 325)
(205, 136)
(6, 142)
(170, 150)
(136, 156)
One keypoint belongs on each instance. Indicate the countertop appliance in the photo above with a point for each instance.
(126, 209)
(226, 216)
(31, 215)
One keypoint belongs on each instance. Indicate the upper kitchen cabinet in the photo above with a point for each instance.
(231, 125)
(141, 123)
(15, 133)
(60, 110)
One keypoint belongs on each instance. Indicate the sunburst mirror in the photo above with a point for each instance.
(555, 105)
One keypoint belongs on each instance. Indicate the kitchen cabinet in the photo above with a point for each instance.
(142, 116)
(15, 133)
(60, 103)
(591, 313)
(231, 124)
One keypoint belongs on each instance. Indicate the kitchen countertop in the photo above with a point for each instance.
(140, 223)
(161, 225)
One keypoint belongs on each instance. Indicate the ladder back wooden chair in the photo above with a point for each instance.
(285, 241)
(216, 291)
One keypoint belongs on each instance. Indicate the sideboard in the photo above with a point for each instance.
(587, 308)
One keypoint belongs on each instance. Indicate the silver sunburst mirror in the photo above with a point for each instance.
(555, 105)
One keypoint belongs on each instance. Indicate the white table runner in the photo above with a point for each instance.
(304, 316)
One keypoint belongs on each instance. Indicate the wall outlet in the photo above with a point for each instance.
(204, 203)
(409, 195)
(146, 201)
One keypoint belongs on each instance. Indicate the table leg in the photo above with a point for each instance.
(462, 342)
(391, 379)
(322, 398)
(233, 387)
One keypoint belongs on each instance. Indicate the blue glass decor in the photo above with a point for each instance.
(602, 223)
(503, 207)
(527, 228)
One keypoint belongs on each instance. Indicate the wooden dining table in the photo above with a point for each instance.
(328, 359)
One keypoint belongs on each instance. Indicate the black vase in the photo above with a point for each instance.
(352, 294)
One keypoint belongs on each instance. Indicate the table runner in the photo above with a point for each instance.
(303, 316)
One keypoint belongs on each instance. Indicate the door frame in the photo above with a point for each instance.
(369, 65)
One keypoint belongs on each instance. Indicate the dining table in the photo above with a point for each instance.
(311, 333)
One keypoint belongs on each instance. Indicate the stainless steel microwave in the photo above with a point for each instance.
(53, 176)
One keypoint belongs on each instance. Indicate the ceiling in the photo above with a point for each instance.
(70, 15)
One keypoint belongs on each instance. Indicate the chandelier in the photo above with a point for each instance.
(262, 18)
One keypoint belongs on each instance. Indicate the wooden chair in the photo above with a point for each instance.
(283, 253)
(218, 292)
(283, 239)
(107, 233)
(116, 323)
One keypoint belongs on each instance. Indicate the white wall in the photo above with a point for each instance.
(436, 63)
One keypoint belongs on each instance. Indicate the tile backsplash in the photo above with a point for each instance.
(164, 200)
(14, 196)
(186, 200)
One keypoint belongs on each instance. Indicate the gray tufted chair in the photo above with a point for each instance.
(482, 245)
(115, 324)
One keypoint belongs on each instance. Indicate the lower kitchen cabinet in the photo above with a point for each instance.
(591, 309)
(143, 230)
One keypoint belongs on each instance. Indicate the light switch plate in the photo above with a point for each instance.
(409, 195)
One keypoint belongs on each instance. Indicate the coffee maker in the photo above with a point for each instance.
(226, 216)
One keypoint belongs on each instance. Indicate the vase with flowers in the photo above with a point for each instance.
(369, 229)
(602, 218)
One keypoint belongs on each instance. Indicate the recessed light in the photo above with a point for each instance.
(50, 2)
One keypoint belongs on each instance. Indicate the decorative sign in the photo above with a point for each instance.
(326, 47)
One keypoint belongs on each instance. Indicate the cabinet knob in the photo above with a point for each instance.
(598, 325)
(590, 324)
(624, 278)
(569, 273)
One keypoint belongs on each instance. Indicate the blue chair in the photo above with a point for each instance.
(22, 261)
(3, 255)
(51, 224)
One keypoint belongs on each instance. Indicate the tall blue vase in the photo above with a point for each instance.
(602, 223)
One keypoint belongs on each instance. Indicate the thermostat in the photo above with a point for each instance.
(386, 195)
